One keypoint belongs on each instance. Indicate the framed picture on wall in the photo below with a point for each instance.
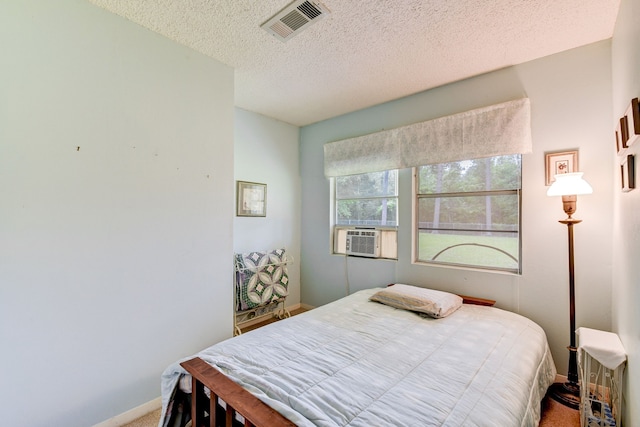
(628, 173)
(624, 133)
(560, 162)
(618, 135)
(632, 122)
(251, 199)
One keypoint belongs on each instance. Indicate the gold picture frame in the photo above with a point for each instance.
(560, 162)
(251, 199)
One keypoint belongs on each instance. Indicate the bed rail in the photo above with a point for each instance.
(256, 413)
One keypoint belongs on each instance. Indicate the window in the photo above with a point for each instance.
(468, 213)
(367, 200)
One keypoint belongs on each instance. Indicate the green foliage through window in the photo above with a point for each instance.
(367, 199)
(468, 213)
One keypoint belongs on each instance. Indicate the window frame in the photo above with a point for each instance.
(416, 229)
(335, 200)
(388, 233)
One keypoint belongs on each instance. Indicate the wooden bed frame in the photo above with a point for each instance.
(238, 400)
(256, 413)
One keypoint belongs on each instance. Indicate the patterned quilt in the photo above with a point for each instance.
(261, 278)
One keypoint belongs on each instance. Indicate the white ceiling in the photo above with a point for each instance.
(366, 52)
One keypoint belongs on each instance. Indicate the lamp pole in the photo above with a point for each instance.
(568, 393)
(569, 186)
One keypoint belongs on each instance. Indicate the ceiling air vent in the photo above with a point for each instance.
(294, 18)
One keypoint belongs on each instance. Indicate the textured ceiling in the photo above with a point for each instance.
(366, 52)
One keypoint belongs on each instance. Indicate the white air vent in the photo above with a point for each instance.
(363, 243)
(294, 18)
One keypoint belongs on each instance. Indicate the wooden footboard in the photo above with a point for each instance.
(238, 400)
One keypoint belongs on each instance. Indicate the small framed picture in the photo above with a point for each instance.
(560, 162)
(619, 144)
(623, 133)
(632, 121)
(628, 173)
(251, 199)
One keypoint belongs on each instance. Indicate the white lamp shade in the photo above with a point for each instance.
(569, 184)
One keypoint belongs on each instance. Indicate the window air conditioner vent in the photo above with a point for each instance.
(363, 243)
(294, 18)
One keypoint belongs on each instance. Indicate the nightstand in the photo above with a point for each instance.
(601, 361)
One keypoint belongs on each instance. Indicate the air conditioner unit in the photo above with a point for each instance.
(363, 243)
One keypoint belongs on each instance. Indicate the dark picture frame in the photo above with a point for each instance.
(632, 121)
(622, 135)
(628, 173)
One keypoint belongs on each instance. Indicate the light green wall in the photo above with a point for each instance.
(626, 222)
(570, 97)
(266, 151)
(116, 184)
(100, 246)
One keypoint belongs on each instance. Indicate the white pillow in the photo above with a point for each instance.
(437, 304)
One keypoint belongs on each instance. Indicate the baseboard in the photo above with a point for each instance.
(306, 306)
(133, 414)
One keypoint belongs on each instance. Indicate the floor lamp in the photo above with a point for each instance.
(569, 186)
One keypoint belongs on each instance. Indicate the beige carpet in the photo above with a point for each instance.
(555, 414)
(150, 420)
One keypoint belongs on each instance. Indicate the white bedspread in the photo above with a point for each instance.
(360, 363)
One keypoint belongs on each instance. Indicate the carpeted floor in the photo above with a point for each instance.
(555, 414)
(150, 420)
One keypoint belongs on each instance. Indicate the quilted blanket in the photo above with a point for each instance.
(261, 278)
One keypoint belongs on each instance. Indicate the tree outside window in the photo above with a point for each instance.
(369, 199)
(468, 213)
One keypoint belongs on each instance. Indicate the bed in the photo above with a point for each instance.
(358, 362)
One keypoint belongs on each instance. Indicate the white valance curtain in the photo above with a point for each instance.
(495, 130)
